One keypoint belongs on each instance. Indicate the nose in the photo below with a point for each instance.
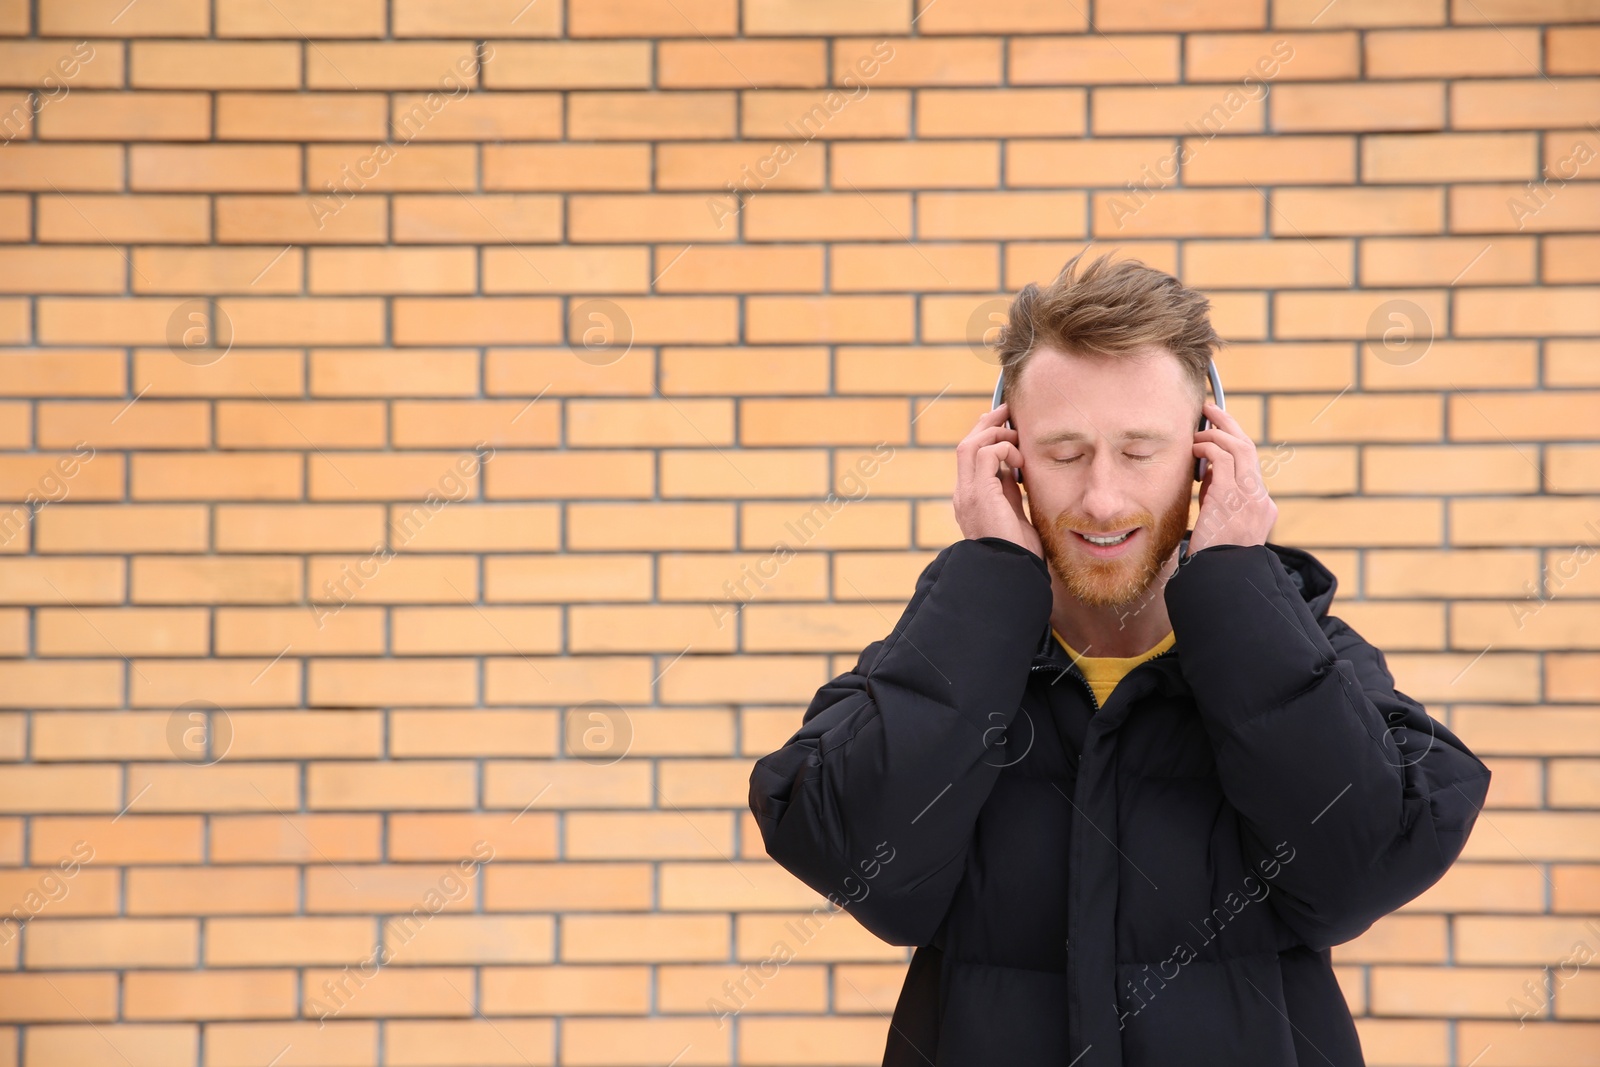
(1103, 501)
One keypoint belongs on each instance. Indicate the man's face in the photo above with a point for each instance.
(1107, 447)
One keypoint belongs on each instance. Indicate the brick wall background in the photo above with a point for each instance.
(402, 404)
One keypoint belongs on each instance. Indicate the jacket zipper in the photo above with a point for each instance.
(1093, 700)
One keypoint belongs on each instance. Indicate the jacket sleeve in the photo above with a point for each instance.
(873, 801)
(1369, 798)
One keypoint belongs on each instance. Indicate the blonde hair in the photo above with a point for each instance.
(1112, 308)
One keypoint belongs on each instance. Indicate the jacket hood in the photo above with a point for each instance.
(1315, 581)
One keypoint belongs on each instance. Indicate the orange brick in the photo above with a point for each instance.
(899, 268)
(60, 167)
(1272, 57)
(1347, 314)
(214, 65)
(214, 168)
(164, 18)
(105, 943)
(53, 65)
(1200, 15)
(88, 115)
(487, 18)
(445, 67)
(1329, 212)
(203, 476)
(1572, 50)
(1505, 104)
(1091, 161)
(828, 216)
(574, 270)
(998, 16)
(531, 1040)
(1179, 211)
(1456, 990)
(1433, 157)
(294, 838)
(393, 270)
(1268, 264)
(913, 164)
(454, 219)
(1000, 112)
(1567, 155)
(61, 270)
(302, 219)
(1401, 261)
(244, 116)
(1359, 107)
(481, 320)
(647, 217)
(666, 116)
(825, 17)
(1198, 109)
(785, 319)
(1515, 11)
(1565, 310)
(87, 217)
(132, 839)
(711, 268)
(916, 61)
(214, 994)
(1529, 208)
(299, 19)
(1312, 14)
(611, 167)
(254, 942)
(466, 116)
(1093, 59)
(964, 215)
(796, 116)
(644, 18)
(1276, 160)
(1452, 53)
(568, 65)
(740, 64)
(58, 998)
(1571, 259)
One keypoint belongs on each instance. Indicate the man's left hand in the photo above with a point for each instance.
(1234, 506)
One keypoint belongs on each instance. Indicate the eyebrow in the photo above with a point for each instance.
(1074, 436)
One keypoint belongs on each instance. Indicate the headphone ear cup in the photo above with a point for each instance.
(1015, 471)
(1199, 461)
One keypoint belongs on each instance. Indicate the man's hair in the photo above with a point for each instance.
(1112, 308)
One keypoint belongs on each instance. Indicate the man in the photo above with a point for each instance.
(1122, 783)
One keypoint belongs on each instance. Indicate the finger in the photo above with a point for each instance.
(981, 434)
(1219, 416)
(1221, 463)
(1013, 491)
(997, 458)
(1240, 448)
(985, 436)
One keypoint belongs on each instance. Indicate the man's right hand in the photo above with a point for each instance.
(988, 500)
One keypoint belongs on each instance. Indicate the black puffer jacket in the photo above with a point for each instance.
(1151, 883)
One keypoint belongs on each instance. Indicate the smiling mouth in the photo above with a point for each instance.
(1107, 540)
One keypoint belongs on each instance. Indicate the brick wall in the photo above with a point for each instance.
(401, 403)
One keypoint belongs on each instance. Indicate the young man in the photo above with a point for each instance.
(1122, 783)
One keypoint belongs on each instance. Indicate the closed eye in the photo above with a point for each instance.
(1130, 455)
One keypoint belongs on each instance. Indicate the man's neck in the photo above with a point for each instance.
(1121, 631)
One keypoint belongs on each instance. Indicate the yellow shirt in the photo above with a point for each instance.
(1104, 672)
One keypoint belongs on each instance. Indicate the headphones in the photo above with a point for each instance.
(1200, 461)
